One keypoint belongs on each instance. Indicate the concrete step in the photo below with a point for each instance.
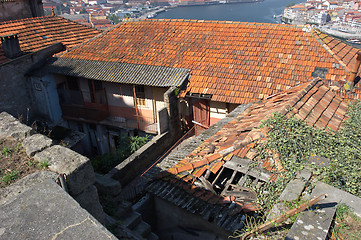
(292, 192)
(132, 220)
(143, 229)
(124, 208)
(313, 223)
(153, 236)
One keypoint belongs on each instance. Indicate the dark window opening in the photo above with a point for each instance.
(94, 86)
(72, 83)
(140, 93)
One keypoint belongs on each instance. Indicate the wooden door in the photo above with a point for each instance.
(201, 115)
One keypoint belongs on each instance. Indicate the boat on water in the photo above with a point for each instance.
(354, 41)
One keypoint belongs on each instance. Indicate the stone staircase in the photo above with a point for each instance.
(132, 223)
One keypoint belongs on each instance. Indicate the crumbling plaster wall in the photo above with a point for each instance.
(80, 176)
(15, 87)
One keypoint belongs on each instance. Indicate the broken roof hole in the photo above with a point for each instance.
(320, 72)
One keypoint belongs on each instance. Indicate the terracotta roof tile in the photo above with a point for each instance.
(222, 54)
(37, 33)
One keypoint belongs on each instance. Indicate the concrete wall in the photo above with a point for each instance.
(119, 95)
(121, 101)
(171, 102)
(138, 162)
(163, 122)
(18, 9)
(218, 110)
(16, 88)
(158, 96)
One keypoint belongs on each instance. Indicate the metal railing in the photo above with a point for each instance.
(78, 105)
(143, 123)
(84, 112)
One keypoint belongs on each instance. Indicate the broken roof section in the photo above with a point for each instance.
(40, 32)
(231, 61)
(155, 76)
(210, 180)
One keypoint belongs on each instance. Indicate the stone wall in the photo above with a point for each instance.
(79, 173)
(15, 87)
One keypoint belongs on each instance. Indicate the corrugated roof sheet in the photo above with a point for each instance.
(156, 76)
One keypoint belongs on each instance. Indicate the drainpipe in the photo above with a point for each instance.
(351, 80)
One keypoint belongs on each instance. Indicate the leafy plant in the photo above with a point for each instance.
(31, 163)
(347, 224)
(10, 176)
(44, 164)
(5, 151)
(137, 142)
(18, 147)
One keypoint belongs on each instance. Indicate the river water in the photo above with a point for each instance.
(244, 12)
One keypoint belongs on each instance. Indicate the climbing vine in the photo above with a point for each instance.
(295, 141)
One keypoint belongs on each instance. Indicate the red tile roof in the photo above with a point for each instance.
(37, 33)
(234, 62)
(312, 102)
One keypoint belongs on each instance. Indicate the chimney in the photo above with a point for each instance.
(11, 46)
(352, 80)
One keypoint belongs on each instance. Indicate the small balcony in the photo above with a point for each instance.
(75, 105)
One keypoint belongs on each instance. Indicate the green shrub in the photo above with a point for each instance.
(125, 147)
